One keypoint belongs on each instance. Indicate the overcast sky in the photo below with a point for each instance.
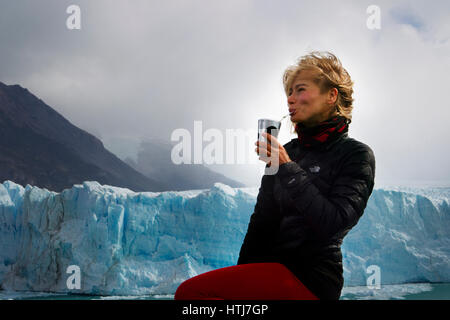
(142, 69)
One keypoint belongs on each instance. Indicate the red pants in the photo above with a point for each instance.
(254, 281)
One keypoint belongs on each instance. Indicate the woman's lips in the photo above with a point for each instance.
(292, 112)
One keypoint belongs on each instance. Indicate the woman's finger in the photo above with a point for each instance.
(271, 139)
(262, 151)
(261, 144)
(264, 145)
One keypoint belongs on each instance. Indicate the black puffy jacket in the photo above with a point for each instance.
(304, 211)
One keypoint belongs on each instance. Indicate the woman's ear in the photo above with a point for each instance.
(332, 96)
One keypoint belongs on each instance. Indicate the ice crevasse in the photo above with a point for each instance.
(132, 243)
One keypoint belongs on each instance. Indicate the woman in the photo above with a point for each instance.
(319, 191)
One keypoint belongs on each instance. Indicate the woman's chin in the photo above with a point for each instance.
(297, 119)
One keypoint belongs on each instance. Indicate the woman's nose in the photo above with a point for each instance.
(291, 99)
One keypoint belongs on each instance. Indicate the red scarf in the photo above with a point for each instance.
(323, 132)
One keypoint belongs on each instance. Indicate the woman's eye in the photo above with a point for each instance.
(299, 89)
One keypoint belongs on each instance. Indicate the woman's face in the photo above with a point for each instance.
(306, 104)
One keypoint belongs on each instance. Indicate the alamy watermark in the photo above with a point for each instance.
(73, 21)
(374, 280)
(373, 21)
(74, 280)
(235, 147)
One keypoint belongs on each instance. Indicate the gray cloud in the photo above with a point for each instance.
(144, 68)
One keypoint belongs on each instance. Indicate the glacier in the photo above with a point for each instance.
(141, 243)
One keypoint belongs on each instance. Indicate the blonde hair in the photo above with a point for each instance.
(328, 73)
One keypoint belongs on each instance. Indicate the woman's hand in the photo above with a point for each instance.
(271, 151)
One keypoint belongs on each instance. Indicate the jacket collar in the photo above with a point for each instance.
(294, 147)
